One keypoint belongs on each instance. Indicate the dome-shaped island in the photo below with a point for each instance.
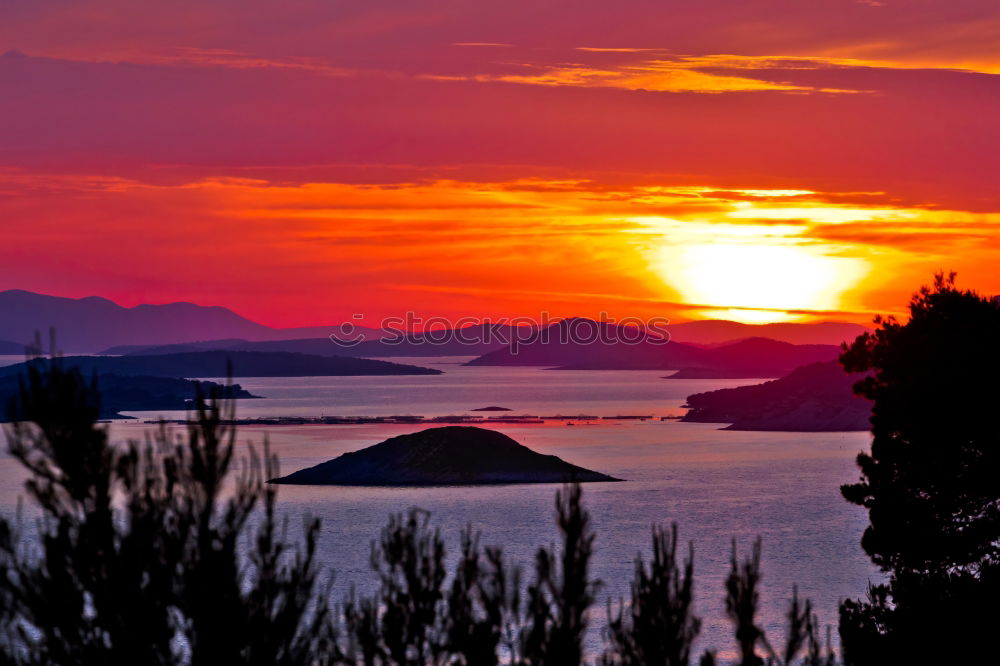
(452, 455)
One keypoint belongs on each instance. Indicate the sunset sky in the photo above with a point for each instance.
(305, 160)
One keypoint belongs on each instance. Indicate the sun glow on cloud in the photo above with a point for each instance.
(654, 79)
(751, 254)
(677, 73)
(761, 282)
(756, 272)
(663, 71)
(825, 214)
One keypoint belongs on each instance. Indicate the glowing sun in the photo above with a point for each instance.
(754, 282)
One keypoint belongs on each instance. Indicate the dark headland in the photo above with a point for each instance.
(131, 393)
(813, 398)
(452, 455)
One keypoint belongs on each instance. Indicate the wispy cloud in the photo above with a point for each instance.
(709, 73)
(190, 56)
(600, 49)
(485, 44)
(714, 73)
(650, 77)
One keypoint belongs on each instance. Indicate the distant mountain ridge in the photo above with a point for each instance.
(577, 342)
(755, 357)
(469, 341)
(716, 331)
(178, 348)
(98, 325)
(93, 323)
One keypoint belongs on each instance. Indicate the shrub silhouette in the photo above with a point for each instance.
(660, 625)
(170, 551)
(562, 592)
(137, 559)
(931, 483)
(742, 600)
(414, 619)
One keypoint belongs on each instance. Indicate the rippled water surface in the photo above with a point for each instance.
(715, 484)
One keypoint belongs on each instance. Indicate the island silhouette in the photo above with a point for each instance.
(814, 398)
(221, 363)
(451, 455)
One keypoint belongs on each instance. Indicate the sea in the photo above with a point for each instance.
(720, 487)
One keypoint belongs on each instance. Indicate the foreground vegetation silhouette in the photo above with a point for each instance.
(136, 553)
(171, 550)
(931, 483)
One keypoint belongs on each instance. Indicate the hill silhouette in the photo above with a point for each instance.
(579, 342)
(814, 398)
(452, 455)
(8, 348)
(236, 364)
(717, 331)
(756, 357)
(180, 347)
(91, 324)
(616, 348)
(467, 341)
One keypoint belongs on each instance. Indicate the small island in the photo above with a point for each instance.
(451, 455)
(492, 408)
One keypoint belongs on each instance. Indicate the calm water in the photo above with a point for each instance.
(715, 484)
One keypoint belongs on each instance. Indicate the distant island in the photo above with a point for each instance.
(718, 373)
(452, 455)
(235, 364)
(720, 331)
(572, 342)
(492, 408)
(617, 348)
(468, 341)
(755, 357)
(135, 394)
(813, 398)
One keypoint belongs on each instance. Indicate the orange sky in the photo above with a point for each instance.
(304, 161)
